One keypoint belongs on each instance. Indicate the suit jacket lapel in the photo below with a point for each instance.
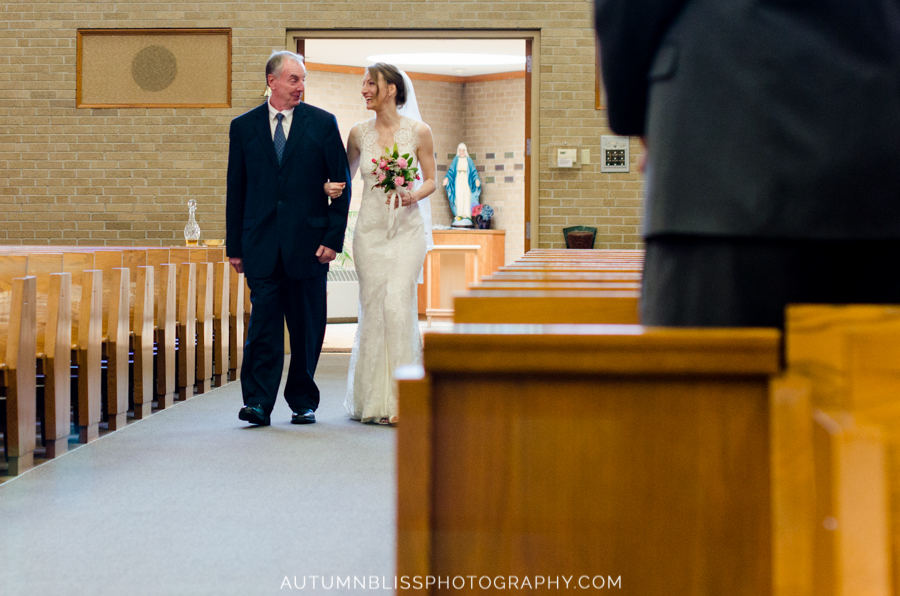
(264, 130)
(299, 123)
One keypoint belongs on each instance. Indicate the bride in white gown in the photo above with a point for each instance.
(388, 265)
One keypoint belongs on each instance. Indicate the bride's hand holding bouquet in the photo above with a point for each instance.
(395, 174)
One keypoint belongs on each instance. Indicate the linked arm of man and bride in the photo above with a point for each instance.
(283, 230)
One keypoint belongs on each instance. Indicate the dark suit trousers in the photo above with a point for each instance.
(697, 281)
(302, 303)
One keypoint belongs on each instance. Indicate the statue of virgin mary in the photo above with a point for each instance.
(463, 187)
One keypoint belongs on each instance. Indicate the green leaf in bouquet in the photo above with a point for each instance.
(396, 151)
(406, 156)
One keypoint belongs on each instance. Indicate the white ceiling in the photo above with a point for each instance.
(355, 52)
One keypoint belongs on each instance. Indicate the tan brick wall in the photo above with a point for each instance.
(495, 128)
(123, 176)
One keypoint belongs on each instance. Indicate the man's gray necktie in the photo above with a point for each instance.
(279, 138)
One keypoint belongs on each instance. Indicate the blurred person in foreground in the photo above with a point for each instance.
(772, 130)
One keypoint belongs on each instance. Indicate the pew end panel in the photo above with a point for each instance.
(57, 366)
(414, 472)
(166, 325)
(117, 347)
(142, 341)
(850, 357)
(641, 452)
(221, 322)
(186, 307)
(88, 355)
(237, 301)
(204, 327)
(19, 346)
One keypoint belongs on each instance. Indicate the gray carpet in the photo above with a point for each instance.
(194, 501)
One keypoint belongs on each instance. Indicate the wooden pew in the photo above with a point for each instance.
(547, 307)
(642, 454)
(575, 267)
(237, 300)
(165, 325)
(451, 268)
(90, 326)
(18, 371)
(186, 318)
(217, 369)
(143, 289)
(54, 345)
(87, 335)
(610, 276)
(206, 286)
(221, 322)
(551, 286)
(116, 334)
(840, 465)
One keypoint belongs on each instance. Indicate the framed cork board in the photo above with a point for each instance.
(153, 68)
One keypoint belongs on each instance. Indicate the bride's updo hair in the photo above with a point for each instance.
(391, 76)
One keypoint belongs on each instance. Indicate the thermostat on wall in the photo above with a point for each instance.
(614, 154)
(565, 157)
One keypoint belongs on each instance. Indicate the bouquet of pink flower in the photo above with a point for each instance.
(394, 171)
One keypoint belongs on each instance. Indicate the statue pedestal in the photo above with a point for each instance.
(491, 257)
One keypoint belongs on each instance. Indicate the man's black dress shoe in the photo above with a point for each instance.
(254, 415)
(304, 417)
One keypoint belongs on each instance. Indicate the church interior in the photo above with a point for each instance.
(547, 442)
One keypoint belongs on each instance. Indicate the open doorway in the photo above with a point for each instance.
(488, 107)
(493, 109)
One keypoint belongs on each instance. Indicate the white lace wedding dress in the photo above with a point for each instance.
(388, 270)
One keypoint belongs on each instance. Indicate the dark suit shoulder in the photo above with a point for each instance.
(251, 114)
(315, 113)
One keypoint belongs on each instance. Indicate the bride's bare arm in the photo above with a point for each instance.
(353, 150)
(425, 153)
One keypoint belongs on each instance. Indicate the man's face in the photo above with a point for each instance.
(288, 86)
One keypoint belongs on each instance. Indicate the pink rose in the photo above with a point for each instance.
(381, 177)
(417, 177)
(402, 163)
(399, 181)
(383, 164)
(374, 160)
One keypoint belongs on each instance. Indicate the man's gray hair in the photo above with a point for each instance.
(276, 62)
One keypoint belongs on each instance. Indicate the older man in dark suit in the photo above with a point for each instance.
(773, 138)
(282, 231)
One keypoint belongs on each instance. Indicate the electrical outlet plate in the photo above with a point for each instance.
(615, 155)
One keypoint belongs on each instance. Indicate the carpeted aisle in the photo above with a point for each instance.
(193, 501)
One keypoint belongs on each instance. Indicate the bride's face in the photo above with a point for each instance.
(376, 93)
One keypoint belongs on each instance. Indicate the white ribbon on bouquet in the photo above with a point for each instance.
(393, 218)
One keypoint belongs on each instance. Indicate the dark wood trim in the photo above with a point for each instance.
(301, 49)
(599, 103)
(528, 91)
(418, 76)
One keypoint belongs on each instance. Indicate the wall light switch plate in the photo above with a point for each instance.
(585, 157)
